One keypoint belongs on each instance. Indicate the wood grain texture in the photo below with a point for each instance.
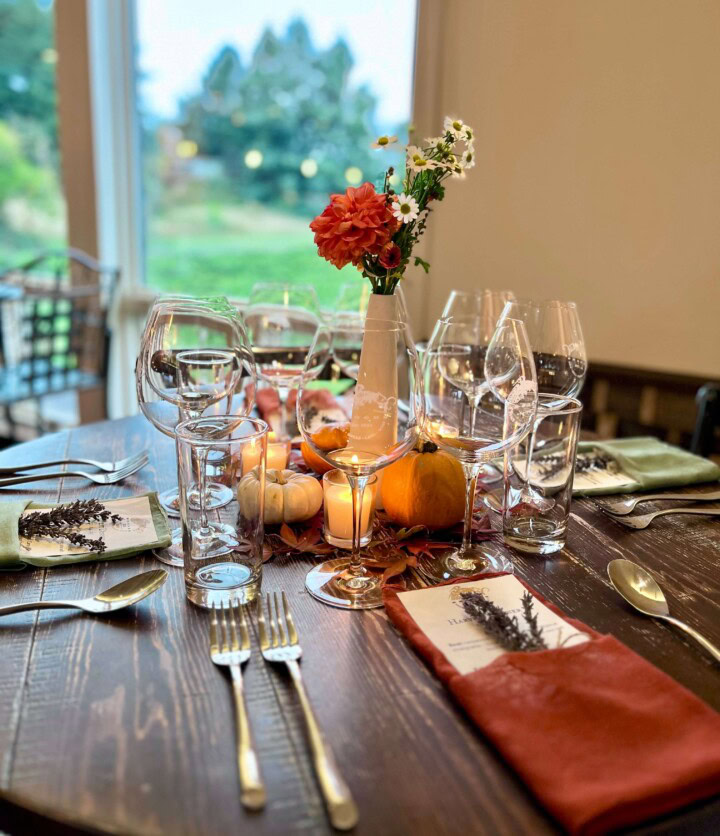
(123, 724)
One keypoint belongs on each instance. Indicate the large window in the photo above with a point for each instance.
(32, 211)
(251, 114)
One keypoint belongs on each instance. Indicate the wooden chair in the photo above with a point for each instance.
(55, 337)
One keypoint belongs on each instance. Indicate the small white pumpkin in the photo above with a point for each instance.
(289, 496)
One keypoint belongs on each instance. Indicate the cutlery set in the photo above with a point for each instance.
(620, 509)
(110, 472)
(279, 644)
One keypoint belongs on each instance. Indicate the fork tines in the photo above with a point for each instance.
(280, 634)
(224, 630)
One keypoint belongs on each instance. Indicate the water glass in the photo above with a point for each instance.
(223, 556)
(537, 525)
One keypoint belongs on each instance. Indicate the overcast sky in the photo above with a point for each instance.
(179, 38)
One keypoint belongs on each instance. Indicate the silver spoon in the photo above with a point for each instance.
(640, 590)
(123, 594)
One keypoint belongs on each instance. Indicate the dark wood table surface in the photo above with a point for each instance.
(123, 725)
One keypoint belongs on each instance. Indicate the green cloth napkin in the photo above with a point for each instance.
(10, 543)
(650, 464)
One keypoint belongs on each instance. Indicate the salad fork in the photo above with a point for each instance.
(229, 650)
(108, 467)
(282, 645)
(620, 507)
(643, 520)
(98, 478)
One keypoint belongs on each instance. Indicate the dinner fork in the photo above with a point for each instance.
(620, 507)
(643, 520)
(227, 650)
(98, 478)
(108, 467)
(282, 645)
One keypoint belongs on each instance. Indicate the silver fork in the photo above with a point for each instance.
(282, 645)
(643, 520)
(98, 478)
(226, 650)
(108, 467)
(620, 507)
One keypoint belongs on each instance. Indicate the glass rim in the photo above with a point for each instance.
(182, 432)
(529, 302)
(570, 405)
(330, 474)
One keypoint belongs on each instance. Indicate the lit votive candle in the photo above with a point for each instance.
(339, 510)
(278, 452)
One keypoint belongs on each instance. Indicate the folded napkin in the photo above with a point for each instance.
(648, 463)
(601, 738)
(144, 526)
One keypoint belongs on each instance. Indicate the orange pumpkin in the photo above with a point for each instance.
(425, 487)
(328, 437)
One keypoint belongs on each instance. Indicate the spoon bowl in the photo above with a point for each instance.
(638, 587)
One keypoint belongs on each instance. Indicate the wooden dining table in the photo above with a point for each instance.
(122, 724)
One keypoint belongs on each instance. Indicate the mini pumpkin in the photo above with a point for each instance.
(425, 487)
(290, 497)
(330, 437)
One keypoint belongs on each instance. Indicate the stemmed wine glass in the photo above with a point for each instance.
(194, 355)
(379, 435)
(558, 347)
(487, 304)
(496, 374)
(281, 320)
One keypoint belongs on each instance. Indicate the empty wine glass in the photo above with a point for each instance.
(379, 434)
(281, 320)
(194, 356)
(487, 304)
(496, 375)
(558, 348)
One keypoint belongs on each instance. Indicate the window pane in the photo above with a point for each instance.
(252, 114)
(32, 210)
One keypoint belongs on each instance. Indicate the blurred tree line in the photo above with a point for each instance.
(294, 105)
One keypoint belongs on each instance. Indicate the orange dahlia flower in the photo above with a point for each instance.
(353, 224)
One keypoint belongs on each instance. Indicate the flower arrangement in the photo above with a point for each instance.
(377, 232)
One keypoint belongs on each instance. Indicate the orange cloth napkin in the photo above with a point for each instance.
(601, 737)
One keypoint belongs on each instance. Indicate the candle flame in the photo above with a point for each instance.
(354, 459)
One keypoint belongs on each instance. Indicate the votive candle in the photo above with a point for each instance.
(339, 510)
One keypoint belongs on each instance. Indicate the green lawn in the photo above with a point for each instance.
(225, 250)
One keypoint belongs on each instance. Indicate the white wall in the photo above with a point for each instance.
(598, 175)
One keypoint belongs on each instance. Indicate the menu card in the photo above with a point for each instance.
(135, 530)
(439, 613)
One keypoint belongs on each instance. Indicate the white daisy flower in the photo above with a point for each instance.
(467, 158)
(468, 134)
(417, 161)
(405, 208)
(456, 127)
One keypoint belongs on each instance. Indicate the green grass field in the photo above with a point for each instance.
(212, 248)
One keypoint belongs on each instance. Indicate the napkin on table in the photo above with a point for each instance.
(649, 464)
(12, 556)
(601, 737)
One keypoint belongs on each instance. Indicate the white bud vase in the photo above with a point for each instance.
(373, 426)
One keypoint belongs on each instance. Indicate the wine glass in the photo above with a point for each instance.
(487, 304)
(379, 434)
(194, 355)
(496, 375)
(558, 347)
(353, 298)
(281, 320)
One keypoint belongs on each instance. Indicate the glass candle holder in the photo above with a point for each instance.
(338, 506)
(276, 456)
(222, 551)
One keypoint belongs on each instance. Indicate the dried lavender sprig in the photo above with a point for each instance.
(531, 618)
(502, 626)
(63, 520)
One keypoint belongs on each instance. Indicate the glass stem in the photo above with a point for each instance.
(473, 401)
(472, 472)
(530, 451)
(204, 531)
(283, 393)
(357, 487)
